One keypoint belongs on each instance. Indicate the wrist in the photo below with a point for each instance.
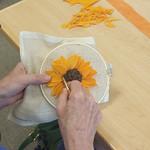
(79, 145)
(79, 142)
(3, 90)
(3, 95)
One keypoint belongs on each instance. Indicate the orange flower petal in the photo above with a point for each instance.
(52, 84)
(60, 65)
(89, 82)
(73, 61)
(79, 61)
(89, 74)
(92, 72)
(84, 68)
(55, 78)
(85, 72)
(49, 72)
(59, 68)
(83, 64)
(57, 89)
(61, 60)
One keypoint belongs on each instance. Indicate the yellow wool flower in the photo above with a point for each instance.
(72, 68)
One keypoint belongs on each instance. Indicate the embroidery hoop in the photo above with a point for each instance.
(88, 53)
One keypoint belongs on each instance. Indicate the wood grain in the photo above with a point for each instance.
(126, 120)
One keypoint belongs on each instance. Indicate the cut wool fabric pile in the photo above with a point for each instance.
(90, 15)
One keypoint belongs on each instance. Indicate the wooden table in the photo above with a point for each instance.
(126, 118)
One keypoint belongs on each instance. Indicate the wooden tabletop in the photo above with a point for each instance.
(126, 118)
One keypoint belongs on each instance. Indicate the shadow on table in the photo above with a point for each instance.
(100, 143)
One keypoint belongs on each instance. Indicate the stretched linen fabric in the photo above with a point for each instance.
(34, 109)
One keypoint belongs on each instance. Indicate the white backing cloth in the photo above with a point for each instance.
(34, 109)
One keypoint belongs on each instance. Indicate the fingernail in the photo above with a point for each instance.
(46, 78)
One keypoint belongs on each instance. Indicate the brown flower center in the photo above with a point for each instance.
(73, 74)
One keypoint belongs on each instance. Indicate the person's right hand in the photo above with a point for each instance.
(78, 116)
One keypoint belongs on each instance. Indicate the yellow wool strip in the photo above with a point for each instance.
(85, 3)
(90, 15)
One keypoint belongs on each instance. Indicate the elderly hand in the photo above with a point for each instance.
(78, 116)
(13, 85)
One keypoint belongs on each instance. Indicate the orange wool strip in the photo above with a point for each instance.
(85, 3)
(126, 10)
(90, 15)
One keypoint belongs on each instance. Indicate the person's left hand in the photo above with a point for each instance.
(13, 85)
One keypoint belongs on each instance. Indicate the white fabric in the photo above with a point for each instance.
(34, 109)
